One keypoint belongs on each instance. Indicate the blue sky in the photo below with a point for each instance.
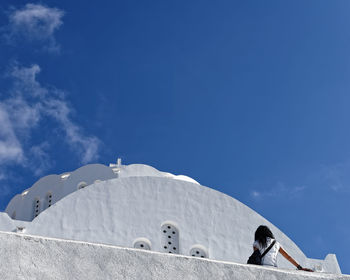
(248, 97)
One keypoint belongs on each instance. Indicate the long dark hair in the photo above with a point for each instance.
(261, 235)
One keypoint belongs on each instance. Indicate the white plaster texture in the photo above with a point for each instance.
(32, 257)
(142, 170)
(22, 206)
(119, 211)
(122, 204)
(6, 223)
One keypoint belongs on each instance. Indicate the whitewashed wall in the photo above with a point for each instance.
(52, 188)
(28, 257)
(23, 206)
(154, 211)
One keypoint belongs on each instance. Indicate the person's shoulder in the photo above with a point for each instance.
(271, 240)
(274, 240)
(277, 244)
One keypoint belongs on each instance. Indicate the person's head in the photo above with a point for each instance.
(261, 235)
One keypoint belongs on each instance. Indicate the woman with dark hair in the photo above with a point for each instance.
(264, 240)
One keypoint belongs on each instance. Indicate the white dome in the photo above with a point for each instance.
(138, 206)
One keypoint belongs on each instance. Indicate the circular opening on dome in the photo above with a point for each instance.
(82, 185)
(198, 251)
(142, 243)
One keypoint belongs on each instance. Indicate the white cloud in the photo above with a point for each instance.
(280, 190)
(87, 146)
(335, 177)
(10, 147)
(23, 115)
(255, 194)
(40, 160)
(25, 82)
(328, 179)
(2, 176)
(28, 104)
(35, 22)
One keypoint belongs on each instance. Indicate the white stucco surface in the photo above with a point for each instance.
(28, 257)
(138, 206)
(120, 211)
(22, 206)
(141, 170)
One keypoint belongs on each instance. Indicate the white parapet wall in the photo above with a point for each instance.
(33, 257)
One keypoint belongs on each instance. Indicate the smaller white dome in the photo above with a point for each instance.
(141, 170)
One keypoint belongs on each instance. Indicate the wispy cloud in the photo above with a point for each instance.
(10, 147)
(328, 179)
(87, 146)
(280, 190)
(29, 103)
(40, 160)
(2, 176)
(335, 177)
(34, 23)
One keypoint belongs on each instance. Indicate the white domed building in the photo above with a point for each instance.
(161, 217)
